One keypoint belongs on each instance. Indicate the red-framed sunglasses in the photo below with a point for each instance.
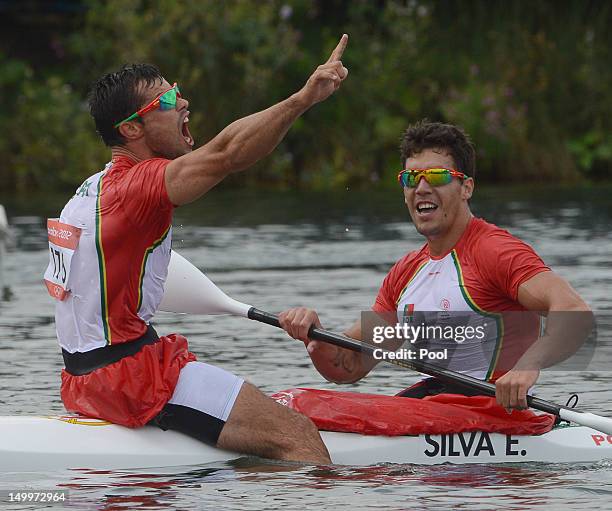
(165, 101)
(439, 176)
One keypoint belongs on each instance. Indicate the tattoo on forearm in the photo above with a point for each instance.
(338, 358)
(345, 359)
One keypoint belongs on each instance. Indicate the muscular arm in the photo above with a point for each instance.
(340, 365)
(569, 322)
(335, 364)
(569, 319)
(247, 140)
(237, 147)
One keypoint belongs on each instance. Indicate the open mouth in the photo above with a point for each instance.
(185, 131)
(425, 208)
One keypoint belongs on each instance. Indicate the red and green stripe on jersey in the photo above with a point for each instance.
(481, 274)
(122, 259)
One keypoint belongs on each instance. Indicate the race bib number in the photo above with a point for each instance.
(63, 241)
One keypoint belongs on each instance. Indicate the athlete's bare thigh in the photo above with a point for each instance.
(220, 408)
(259, 425)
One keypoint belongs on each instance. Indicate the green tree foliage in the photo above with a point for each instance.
(528, 80)
(48, 135)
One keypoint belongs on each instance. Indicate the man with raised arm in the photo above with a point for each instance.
(110, 251)
(468, 269)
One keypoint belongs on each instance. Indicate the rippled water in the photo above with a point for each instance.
(329, 252)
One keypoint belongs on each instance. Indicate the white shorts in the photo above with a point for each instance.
(202, 401)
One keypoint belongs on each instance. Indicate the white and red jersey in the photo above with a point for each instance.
(118, 271)
(480, 277)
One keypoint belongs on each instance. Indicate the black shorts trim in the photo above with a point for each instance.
(189, 421)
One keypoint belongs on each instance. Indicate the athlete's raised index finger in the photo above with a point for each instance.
(339, 49)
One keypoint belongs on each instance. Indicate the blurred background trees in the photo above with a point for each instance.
(529, 81)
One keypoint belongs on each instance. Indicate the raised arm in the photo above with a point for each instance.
(247, 140)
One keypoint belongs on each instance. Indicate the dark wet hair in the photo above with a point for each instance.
(117, 95)
(436, 135)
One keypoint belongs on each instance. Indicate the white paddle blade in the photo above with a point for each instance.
(603, 424)
(188, 290)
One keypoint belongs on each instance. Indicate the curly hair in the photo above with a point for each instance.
(436, 135)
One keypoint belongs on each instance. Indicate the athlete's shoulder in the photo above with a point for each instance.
(89, 187)
(479, 227)
(483, 235)
(398, 276)
(500, 258)
(415, 255)
(131, 177)
(122, 163)
(140, 187)
(153, 162)
(410, 262)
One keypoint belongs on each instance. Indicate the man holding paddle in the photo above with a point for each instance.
(110, 251)
(467, 268)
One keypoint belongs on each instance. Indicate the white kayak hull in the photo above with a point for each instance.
(31, 444)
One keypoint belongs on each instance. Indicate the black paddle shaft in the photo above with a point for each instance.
(447, 375)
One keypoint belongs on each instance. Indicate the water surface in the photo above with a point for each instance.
(328, 251)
